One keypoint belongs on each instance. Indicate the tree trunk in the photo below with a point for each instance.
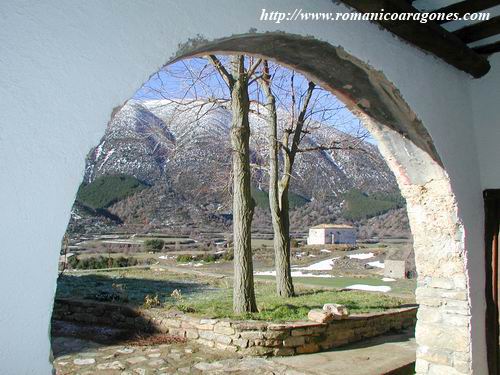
(243, 204)
(284, 283)
(278, 203)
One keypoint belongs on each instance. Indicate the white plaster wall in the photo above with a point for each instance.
(64, 65)
(316, 237)
(485, 96)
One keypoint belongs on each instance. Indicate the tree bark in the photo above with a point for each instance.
(278, 199)
(243, 203)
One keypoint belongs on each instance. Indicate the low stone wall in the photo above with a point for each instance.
(247, 337)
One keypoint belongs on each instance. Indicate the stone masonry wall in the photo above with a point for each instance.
(443, 331)
(247, 337)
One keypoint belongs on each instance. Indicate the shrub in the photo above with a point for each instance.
(100, 262)
(73, 261)
(184, 258)
(151, 301)
(209, 258)
(155, 245)
(228, 255)
(294, 243)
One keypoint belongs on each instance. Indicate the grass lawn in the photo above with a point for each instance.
(402, 287)
(218, 304)
(211, 297)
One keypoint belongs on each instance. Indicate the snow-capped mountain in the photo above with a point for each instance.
(188, 148)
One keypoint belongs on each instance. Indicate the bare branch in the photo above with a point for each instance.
(228, 78)
(252, 68)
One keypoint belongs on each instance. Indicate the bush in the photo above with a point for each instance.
(155, 245)
(207, 258)
(228, 255)
(151, 301)
(184, 258)
(100, 262)
(73, 261)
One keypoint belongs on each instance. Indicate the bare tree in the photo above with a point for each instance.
(304, 109)
(301, 113)
(243, 203)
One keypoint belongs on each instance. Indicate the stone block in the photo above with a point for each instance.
(207, 335)
(319, 316)
(434, 356)
(258, 351)
(223, 339)
(192, 334)
(252, 335)
(275, 334)
(223, 329)
(208, 321)
(336, 309)
(242, 343)
(294, 341)
(204, 327)
(171, 323)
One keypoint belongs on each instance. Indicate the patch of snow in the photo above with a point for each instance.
(377, 264)
(98, 150)
(324, 265)
(324, 251)
(370, 288)
(361, 256)
(388, 279)
(106, 157)
(294, 274)
(163, 257)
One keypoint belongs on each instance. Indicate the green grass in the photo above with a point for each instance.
(106, 190)
(210, 297)
(399, 287)
(262, 199)
(359, 205)
(218, 304)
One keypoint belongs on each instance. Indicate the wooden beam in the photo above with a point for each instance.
(467, 6)
(488, 49)
(428, 36)
(479, 30)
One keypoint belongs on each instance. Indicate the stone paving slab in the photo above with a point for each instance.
(82, 357)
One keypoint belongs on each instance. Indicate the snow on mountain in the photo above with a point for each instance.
(190, 150)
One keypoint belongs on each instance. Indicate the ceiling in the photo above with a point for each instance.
(464, 44)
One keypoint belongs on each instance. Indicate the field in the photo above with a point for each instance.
(211, 296)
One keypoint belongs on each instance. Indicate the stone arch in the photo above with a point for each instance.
(443, 330)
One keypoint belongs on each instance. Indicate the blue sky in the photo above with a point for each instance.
(196, 78)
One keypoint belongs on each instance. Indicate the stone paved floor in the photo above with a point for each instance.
(83, 357)
(88, 358)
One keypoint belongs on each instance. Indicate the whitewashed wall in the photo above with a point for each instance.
(485, 96)
(64, 65)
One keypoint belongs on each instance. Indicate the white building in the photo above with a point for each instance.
(331, 234)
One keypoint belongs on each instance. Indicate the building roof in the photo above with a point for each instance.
(332, 226)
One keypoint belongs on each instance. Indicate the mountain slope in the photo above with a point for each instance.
(186, 156)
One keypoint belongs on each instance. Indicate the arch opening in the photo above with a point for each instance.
(411, 155)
